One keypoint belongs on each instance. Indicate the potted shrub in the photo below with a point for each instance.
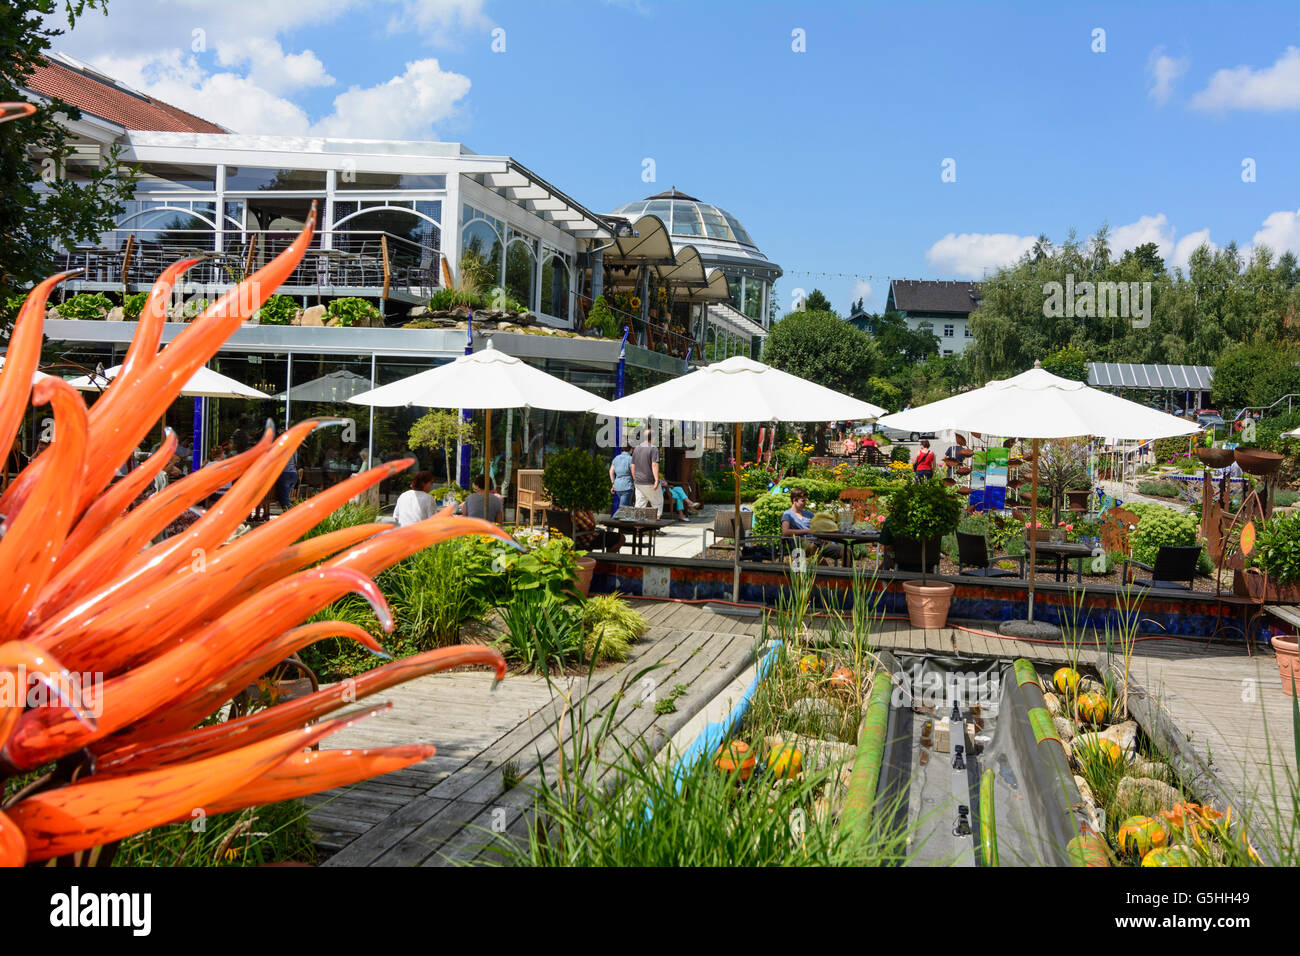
(1276, 558)
(578, 483)
(924, 511)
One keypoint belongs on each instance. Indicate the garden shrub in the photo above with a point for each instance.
(900, 453)
(1164, 449)
(1160, 489)
(1278, 549)
(610, 626)
(278, 310)
(133, 305)
(350, 311)
(792, 456)
(576, 479)
(1158, 525)
(85, 305)
(767, 513)
(446, 299)
(601, 319)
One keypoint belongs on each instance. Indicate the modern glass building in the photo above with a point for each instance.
(720, 241)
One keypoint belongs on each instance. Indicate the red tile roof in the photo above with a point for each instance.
(131, 110)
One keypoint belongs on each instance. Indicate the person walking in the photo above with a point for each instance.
(620, 479)
(645, 474)
(924, 461)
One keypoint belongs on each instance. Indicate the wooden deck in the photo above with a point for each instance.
(1209, 705)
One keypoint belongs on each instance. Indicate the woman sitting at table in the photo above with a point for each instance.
(681, 501)
(796, 523)
(489, 507)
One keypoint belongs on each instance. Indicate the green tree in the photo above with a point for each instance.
(1256, 374)
(442, 429)
(1068, 362)
(817, 302)
(47, 199)
(823, 348)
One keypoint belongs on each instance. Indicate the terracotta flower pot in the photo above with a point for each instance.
(586, 568)
(927, 602)
(1285, 649)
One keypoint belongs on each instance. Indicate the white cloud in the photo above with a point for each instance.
(439, 20)
(861, 290)
(1281, 232)
(1147, 229)
(1185, 246)
(972, 253)
(1272, 88)
(231, 67)
(1164, 71)
(403, 108)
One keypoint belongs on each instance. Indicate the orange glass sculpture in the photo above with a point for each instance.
(162, 635)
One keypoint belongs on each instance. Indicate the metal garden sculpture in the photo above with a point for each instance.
(171, 631)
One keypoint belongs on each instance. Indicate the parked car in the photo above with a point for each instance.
(1209, 418)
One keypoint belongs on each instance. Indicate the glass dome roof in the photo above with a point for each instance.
(689, 217)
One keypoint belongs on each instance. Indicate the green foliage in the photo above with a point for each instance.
(576, 480)
(476, 274)
(350, 311)
(1164, 449)
(601, 319)
(924, 509)
(610, 626)
(133, 305)
(817, 302)
(1222, 298)
(86, 305)
(900, 453)
(46, 208)
(792, 456)
(542, 633)
(1070, 362)
(767, 513)
(278, 310)
(1256, 374)
(446, 299)
(1158, 525)
(275, 833)
(194, 308)
(1160, 489)
(1278, 548)
(442, 429)
(823, 348)
(497, 572)
(350, 514)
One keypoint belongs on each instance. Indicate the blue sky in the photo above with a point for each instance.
(832, 157)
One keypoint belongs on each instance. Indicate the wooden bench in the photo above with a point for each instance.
(530, 496)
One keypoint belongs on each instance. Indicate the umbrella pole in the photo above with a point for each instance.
(736, 526)
(1033, 531)
(487, 459)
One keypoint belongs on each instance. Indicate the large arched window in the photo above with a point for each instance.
(521, 267)
(417, 237)
(555, 287)
(480, 240)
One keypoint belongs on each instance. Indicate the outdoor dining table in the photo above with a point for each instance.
(1063, 552)
(640, 532)
(848, 539)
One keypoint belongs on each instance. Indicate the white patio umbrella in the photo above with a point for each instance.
(205, 383)
(740, 390)
(337, 386)
(36, 376)
(1037, 404)
(486, 379)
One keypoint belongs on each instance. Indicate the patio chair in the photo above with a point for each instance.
(907, 554)
(1174, 564)
(724, 526)
(858, 498)
(973, 558)
(529, 496)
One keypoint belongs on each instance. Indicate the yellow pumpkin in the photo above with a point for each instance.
(1142, 834)
(1093, 708)
(736, 757)
(1066, 680)
(811, 664)
(785, 761)
(1167, 856)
